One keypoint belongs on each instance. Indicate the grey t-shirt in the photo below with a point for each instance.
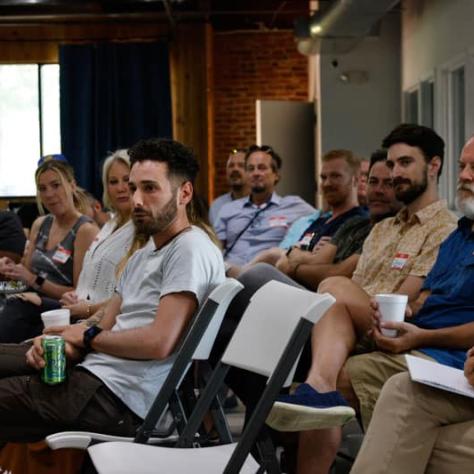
(190, 262)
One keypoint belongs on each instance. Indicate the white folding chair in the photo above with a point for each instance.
(267, 341)
(197, 345)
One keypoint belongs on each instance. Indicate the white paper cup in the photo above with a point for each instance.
(56, 317)
(392, 308)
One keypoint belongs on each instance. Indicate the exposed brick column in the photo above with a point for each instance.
(250, 66)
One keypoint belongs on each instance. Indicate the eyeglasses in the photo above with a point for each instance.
(263, 148)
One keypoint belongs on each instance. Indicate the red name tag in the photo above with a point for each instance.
(278, 221)
(61, 255)
(399, 260)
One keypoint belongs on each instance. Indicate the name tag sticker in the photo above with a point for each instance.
(306, 240)
(399, 261)
(61, 255)
(278, 221)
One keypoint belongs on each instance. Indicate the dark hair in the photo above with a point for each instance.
(179, 158)
(424, 138)
(276, 158)
(376, 156)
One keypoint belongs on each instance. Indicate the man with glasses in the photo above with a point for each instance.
(251, 224)
(237, 181)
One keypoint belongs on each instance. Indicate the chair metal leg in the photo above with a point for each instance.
(276, 381)
(202, 406)
(267, 454)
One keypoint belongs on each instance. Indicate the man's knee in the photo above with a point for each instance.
(336, 285)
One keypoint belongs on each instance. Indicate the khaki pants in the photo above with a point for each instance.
(417, 429)
(368, 373)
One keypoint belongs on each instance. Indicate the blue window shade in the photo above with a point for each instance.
(112, 95)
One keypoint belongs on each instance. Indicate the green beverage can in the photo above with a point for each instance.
(54, 355)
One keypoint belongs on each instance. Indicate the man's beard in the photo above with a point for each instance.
(412, 192)
(465, 204)
(258, 188)
(153, 225)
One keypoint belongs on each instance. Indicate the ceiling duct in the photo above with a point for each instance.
(338, 29)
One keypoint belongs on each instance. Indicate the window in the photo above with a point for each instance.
(29, 124)
(458, 110)
(457, 132)
(427, 103)
(411, 106)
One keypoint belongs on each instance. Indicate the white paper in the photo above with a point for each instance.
(439, 376)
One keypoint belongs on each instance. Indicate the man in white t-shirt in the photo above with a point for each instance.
(129, 353)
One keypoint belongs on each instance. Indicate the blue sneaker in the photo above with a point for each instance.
(307, 409)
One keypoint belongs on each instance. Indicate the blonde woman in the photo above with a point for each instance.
(113, 245)
(54, 257)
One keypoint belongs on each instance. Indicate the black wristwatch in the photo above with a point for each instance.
(39, 280)
(89, 335)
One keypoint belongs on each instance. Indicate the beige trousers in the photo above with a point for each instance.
(417, 429)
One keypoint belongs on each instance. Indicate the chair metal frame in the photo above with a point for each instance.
(279, 368)
(197, 343)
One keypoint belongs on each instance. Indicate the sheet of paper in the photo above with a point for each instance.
(439, 376)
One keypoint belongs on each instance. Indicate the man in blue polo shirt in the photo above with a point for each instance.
(249, 225)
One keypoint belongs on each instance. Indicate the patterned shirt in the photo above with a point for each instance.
(399, 247)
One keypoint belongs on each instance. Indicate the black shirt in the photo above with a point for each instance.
(321, 227)
(12, 237)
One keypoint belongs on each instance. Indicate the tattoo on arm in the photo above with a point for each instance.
(96, 318)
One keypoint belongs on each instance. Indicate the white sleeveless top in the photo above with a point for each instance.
(97, 279)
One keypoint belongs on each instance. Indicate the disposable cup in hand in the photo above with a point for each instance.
(392, 308)
(56, 317)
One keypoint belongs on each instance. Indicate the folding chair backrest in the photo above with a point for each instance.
(216, 303)
(222, 295)
(274, 311)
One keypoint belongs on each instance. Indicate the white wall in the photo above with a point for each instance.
(434, 32)
(438, 37)
(358, 116)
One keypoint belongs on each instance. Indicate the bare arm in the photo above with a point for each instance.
(411, 287)
(154, 341)
(23, 271)
(85, 235)
(295, 257)
(11, 255)
(455, 337)
(412, 337)
(312, 275)
(469, 366)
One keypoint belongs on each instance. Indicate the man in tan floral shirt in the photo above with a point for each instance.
(397, 256)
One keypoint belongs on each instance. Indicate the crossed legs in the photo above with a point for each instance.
(333, 339)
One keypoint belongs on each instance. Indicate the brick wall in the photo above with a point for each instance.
(250, 66)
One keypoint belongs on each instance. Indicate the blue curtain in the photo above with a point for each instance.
(112, 94)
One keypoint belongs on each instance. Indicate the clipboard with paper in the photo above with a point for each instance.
(439, 376)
